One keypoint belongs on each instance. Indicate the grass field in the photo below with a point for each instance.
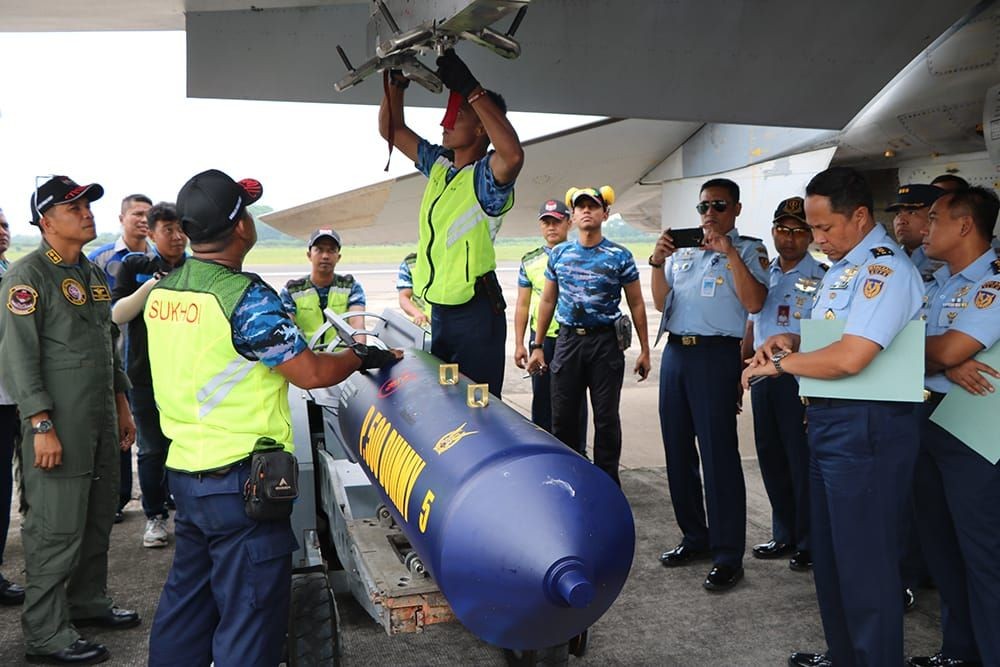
(507, 251)
(390, 254)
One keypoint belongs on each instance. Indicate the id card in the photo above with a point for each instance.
(708, 286)
(783, 311)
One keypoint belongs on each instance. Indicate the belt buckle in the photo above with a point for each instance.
(687, 341)
(805, 400)
(580, 331)
(927, 395)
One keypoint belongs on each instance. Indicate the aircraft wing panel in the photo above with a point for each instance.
(609, 152)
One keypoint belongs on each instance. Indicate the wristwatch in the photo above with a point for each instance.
(532, 346)
(43, 426)
(360, 350)
(654, 264)
(776, 360)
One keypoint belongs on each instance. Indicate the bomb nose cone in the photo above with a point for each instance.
(568, 583)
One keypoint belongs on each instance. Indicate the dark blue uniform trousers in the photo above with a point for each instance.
(699, 388)
(589, 363)
(957, 494)
(861, 473)
(541, 396)
(227, 595)
(153, 447)
(783, 453)
(473, 336)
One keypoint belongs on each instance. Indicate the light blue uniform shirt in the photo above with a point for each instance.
(702, 299)
(789, 299)
(925, 265)
(948, 297)
(875, 288)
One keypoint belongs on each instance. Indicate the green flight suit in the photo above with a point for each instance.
(58, 354)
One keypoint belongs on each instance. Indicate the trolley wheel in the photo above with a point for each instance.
(313, 625)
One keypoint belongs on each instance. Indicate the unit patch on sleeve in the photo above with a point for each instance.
(872, 288)
(984, 299)
(22, 300)
(879, 270)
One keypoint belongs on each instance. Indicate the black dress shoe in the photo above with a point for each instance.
(113, 619)
(909, 599)
(939, 660)
(80, 652)
(682, 555)
(802, 561)
(11, 594)
(772, 549)
(119, 516)
(809, 660)
(722, 578)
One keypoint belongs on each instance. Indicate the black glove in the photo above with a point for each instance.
(454, 74)
(373, 357)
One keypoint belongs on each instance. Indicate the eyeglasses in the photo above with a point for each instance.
(792, 231)
(719, 205)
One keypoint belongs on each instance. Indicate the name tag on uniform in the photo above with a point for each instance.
(783, 311)
(708, 286)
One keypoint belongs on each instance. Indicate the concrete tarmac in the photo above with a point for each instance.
(663, 616)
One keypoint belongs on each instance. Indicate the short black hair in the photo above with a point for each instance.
(951, 178)
(728, 185)
(132, 199)
(981, 203)
(846, 189)
(163, 211)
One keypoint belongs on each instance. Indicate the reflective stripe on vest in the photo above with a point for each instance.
(534, 268)
(214, 403)
(456, 237)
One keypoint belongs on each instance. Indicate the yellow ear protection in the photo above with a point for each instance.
(606, 193)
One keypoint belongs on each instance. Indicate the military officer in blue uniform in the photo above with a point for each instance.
(912, 208)
(778, 414)
(957, 491)
(705, 294)
(862, 451)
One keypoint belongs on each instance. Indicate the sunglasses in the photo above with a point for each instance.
(791, 231)
(718, 205)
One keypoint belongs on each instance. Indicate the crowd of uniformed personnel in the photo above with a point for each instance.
(871, 495)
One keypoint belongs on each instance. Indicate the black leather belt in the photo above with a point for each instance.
(586, 331)
(813, 402)
(694, 341)
(933, 397)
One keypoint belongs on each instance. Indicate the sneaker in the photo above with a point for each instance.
(156, 533)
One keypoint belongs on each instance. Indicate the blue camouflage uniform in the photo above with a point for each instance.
(778, 414)
(957, 491)
(861, 467)
(587, 355)
(211, 527)
(541, 386)
(699, 390)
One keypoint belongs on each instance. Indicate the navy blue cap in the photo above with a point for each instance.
(915, 195)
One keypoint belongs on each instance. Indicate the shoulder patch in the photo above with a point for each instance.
(882, 251)
(984, 299)
(22, 299)
(879, 270)
(825, 267)
(991, 284)
(995, 265)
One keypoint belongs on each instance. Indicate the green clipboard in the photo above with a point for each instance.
(896, 373)
(973, 419)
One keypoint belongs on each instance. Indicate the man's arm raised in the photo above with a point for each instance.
(390, 117)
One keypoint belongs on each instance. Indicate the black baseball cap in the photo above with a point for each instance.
(915, 195)
(793, 207)
(554, 208)
(212, 202)
(324, 234)
(60, 190)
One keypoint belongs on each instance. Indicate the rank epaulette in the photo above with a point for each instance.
(882, 251)
(995, 265)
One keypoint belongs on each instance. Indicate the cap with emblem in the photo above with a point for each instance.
(915, 195)
(324, 234)
(554, 209)
(793, 207)
(212, 203)
(60, 190)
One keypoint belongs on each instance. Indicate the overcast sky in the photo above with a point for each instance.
(111, 108)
